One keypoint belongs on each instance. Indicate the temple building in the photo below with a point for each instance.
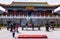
(21, 10)
(29, 8)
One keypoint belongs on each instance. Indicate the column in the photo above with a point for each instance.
(44, 13)
(49, 12)
(14, 12)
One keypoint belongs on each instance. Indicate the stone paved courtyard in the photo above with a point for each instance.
(5, 34)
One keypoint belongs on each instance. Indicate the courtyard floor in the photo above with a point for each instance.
(52, 34)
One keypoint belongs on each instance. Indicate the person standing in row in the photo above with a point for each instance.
(33, 26)
(47, 26)
(26, 26)
(12, 26)
(13, 29)
(52, 25)
(13, 32)
(17, 26)
(8, 24)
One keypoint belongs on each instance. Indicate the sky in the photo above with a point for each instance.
(51, 2)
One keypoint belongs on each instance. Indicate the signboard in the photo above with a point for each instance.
(30, 7)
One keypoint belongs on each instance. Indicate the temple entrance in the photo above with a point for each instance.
(30, 12)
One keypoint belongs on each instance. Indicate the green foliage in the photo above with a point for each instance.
(2, 25)
(50, 14)
(57, 25)
(0, 14)
(58, 14)
(8, 15)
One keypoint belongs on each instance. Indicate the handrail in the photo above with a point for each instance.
(41, 17)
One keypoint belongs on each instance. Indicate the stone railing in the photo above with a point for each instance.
(42, 17)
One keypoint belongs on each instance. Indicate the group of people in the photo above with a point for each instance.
(13, 27)
(50, 26)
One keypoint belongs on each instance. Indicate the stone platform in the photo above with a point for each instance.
(32, 36)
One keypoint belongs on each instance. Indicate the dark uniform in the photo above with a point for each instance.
(52, 25)
(47, 26)
(13, 31)
(26, 26)
(14, 25)
(8, 25)
(32, 26)
(11, 27)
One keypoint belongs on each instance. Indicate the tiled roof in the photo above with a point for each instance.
(29, 4)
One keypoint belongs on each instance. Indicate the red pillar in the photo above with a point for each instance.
(43, 13)
(14, 12)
